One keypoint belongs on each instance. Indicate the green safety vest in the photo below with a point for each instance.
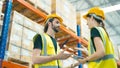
(47, 50)
(108, 60)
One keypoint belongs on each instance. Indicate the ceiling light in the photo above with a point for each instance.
(111, 8)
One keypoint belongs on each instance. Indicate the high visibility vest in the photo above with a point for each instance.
(48, 50)
(108, 61)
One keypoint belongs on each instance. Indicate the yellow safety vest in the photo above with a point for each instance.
(47, 50)
(108, 61)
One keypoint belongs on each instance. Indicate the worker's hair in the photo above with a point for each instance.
(46, 24)
(99, 20)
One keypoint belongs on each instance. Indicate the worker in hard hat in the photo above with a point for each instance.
(101, 52)
(46, 52)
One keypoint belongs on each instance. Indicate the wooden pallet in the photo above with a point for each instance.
(15, 63)
(18, 61)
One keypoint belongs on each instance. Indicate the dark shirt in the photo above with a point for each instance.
(94, 33)
(38, 42)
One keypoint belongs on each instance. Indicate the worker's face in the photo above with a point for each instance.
(90, 22)
(56, 25)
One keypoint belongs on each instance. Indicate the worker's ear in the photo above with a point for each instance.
(49, 23)
(92, 18)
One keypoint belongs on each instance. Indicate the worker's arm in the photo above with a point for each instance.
(100, 51)
(38, 59)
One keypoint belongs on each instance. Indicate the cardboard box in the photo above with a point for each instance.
(28, 23)
(45, 5)
(27, 44)
(26, 55)
(16, 29)
(38, 28)
(14, 51)
(28, 34)
(18, 18)
(15, 39)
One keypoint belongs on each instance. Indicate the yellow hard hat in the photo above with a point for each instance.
(54, 16)
(97, 11)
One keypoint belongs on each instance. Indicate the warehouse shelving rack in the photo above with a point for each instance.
(39, 16)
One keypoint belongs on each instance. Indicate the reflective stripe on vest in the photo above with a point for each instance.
(92, 50)
(44, 43)
(106, 57)
(101, 34)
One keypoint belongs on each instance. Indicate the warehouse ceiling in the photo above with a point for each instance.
(112, 22)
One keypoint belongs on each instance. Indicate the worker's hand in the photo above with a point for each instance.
(63, 55)
(82, 49)
(82, 61)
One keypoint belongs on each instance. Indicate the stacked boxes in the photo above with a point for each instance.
(15, 28)
(28, 23)
(38, 28)
(14, 51)
(44, 5)
(26, 55)
(18, 18)
(28, 34)
(21, 37)
(27, 44)
(15, 39)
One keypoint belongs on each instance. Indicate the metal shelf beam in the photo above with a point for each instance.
(30, 7)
